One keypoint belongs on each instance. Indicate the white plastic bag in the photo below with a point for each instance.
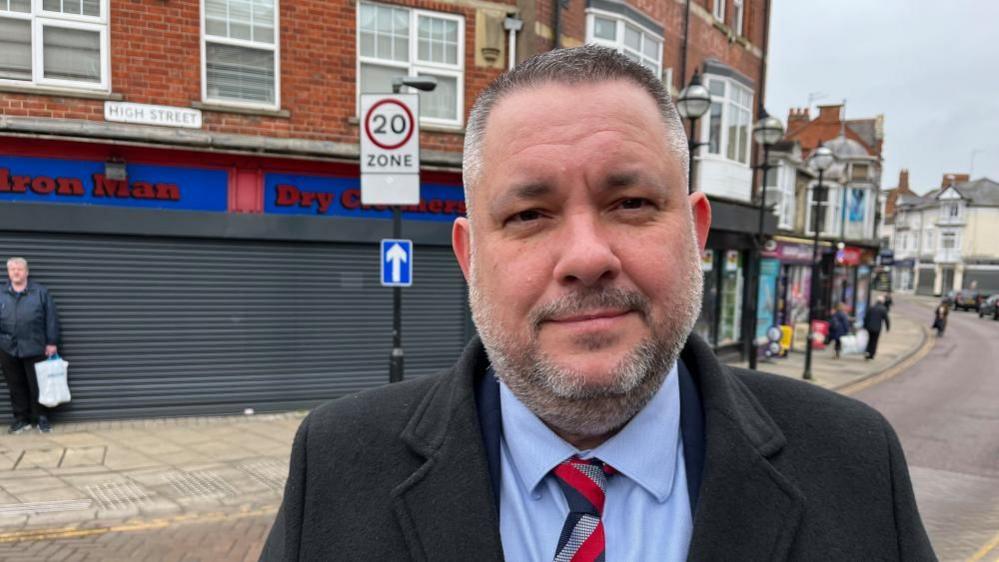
(53, 381)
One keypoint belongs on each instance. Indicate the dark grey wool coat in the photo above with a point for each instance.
(791, 472)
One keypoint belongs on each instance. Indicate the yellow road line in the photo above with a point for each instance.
(986, 548)
(928, 342)
(160, 523)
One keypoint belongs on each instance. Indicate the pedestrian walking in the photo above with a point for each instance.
(940, 318)
(877, 315)
(839, 326)
(888, 302)
(29, 332)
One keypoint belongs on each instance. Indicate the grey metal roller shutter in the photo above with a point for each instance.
(927, 277)
(175, 326)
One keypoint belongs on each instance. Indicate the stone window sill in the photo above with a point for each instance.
(222, 108)
(60, 92)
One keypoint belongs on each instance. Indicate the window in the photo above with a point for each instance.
(859, 172)
(395, 41)
(737, 15)
(719, 10)
(240, 53)
(730, 323)
(953, 210)
(729, 120)
(948, 240)
(627, 38)
(54, 43)
(780, 194)
(826, 208)
(929, 241)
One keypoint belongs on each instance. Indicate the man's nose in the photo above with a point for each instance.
(585, 252)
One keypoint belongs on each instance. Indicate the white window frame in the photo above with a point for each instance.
(415, 67)
(832, 207)
(38, 18)
(718, 10)
(618, 44)
(738, 15)
(275, 47)
(726, 101)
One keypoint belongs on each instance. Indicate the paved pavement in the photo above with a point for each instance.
(219, 479)
(906, 342)
(189, 489)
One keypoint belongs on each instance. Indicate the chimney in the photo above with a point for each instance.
(797, 116)
(953, 179)
(830, 113)
(903, 180)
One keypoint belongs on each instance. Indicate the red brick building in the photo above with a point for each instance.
(184, 176)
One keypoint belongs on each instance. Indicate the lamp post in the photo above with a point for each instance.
(693, 103)
(767, 132)
(820, 160)
(396, 363)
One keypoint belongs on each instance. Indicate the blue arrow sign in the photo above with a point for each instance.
(397, 263)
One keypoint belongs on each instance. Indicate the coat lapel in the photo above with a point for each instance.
(446, 508)
(747, 510)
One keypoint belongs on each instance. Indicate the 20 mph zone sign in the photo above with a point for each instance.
(390, 149)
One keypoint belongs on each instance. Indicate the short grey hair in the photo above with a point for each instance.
(580, 65)
(19, 261)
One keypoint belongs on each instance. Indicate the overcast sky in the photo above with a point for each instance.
(931, 67)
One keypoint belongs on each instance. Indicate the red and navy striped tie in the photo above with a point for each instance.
(584, 483)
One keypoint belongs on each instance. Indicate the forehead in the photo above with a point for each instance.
(551, 131)
(553, 111)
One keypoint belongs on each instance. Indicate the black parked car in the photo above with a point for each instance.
(989, 307)
(968, 299)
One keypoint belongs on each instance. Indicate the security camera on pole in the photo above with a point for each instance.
(390, 175)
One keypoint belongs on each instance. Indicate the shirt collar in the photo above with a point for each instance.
(535, 449)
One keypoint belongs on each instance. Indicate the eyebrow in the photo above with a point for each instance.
(527, 191)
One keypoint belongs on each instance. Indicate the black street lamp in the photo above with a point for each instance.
(396, 363)
(820, 161)
(767, 132)
(693, 103)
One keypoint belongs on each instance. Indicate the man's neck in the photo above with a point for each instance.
(19, 288)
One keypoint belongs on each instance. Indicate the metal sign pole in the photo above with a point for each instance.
(396, 363)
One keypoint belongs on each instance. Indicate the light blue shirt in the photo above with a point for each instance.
(647, 510)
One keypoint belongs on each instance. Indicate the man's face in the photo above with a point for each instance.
(17, 273)
(581, 250)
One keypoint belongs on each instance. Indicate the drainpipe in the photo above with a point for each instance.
(683, 57)
(557, 26)
(512, 25)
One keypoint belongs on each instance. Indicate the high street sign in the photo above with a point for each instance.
(390, 149)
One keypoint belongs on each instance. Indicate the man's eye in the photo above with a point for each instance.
(634, 203)
(525, 216)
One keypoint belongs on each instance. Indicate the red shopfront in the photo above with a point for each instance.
(205, 283)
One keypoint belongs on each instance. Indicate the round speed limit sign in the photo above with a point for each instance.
(389, 124)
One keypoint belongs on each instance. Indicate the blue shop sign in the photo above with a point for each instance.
(82, 182)
(289, 194)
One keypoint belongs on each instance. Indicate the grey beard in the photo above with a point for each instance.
(559, 396)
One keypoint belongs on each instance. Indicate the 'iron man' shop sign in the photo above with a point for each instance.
(83, 182)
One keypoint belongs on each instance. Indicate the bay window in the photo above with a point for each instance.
(729, 120)
(627, 37)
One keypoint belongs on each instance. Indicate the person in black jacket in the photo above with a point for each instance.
(877, 315)
(582, 251)
(839, 326)
(29, 332)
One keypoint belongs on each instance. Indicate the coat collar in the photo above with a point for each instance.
(746, 508)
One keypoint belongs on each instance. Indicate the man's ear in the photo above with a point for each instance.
(700, 209)
(461, 243)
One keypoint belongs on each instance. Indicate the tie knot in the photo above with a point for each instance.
(584, 483)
